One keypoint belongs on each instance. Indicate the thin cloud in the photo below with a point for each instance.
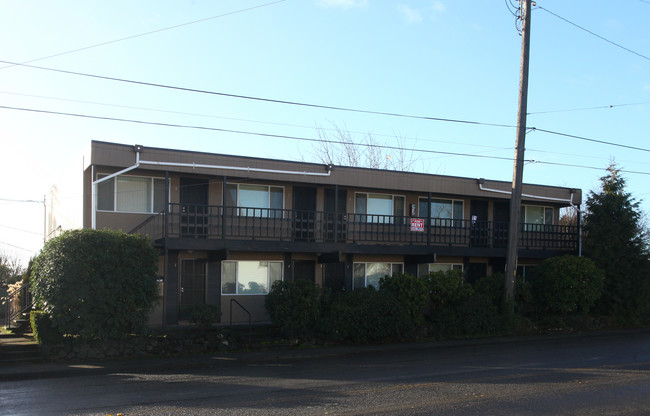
(342, 4)
(438, 6)
(411, 15)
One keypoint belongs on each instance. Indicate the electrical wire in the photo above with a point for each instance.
(594, 34)
(378, 146)
(591, 140)
(317, 128)
(21, 230)
(268, 135)
(19, 248)
(589, 108)
(261, 99)
(146, 33)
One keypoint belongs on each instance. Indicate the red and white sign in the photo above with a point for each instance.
(417, 224)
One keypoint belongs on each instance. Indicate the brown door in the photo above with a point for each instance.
(192, 284)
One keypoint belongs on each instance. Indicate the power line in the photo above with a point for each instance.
(19, 248)
(246, 120)
(594, 34)
(583, 166)
(147, 33)
(21, 230)
(279, 136)
(262, 99)
(600, 107)
(592, 140)
(268, 135)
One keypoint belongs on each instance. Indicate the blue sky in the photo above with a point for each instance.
(440, 59)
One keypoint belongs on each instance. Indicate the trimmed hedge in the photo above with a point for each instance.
(44, 332)
(96, 284)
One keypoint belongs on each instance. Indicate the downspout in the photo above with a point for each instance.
(546, 198)
(138, 148)
(111, 176)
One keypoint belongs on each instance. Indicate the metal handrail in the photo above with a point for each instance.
(250, 326)
(13, 301)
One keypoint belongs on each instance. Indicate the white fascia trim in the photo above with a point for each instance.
(238, 168)
(546, 198)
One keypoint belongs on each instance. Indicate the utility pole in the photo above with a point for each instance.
(518, 174)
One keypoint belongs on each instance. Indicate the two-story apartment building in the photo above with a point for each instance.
(228, 226)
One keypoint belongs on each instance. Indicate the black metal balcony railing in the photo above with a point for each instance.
(241, 223)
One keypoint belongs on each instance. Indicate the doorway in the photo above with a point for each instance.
(335, 218)
(479, 223)
(304, 270)
(194, 207)
(501, 219)
(304, 213)
(192, 284)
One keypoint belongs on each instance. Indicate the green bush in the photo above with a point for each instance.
(566, 285)
(203, 316)
(367, 315)
(447, 289)
(294, 307)
(96, 284)
(44, 332)
(411, 294)
(458, 309)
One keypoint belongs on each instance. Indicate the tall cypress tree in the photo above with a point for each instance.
(615, 240)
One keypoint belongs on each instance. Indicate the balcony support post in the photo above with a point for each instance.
(428, 219)
(224, 192)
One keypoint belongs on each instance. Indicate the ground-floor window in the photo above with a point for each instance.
(368, 274)
(425, 269)
(249, 277)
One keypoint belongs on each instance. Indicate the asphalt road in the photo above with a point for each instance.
(594, 374)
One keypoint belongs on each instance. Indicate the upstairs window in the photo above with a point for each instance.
(535, 217)
(135, 194)
(369, 274)
(443, 212)
(256, 200)
(379, 208)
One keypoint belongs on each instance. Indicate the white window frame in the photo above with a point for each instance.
(528, 226)
(116, 192)
(452, 266)
(379, 218)
(365, 272)
(438, 221)
(261, 212)
(238, 286)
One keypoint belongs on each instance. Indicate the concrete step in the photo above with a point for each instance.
(19, 348)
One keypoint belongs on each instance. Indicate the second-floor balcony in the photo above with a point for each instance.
(183, 221)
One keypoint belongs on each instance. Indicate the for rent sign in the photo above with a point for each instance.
(417, 224)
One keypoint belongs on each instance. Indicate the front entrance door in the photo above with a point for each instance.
(192, 284)
(335, 219)
(194, 208)
(479, 223)
(501, 219)
(334, 276)
(304, 212)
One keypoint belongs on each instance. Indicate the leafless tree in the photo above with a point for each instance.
(337, 146)
(569, 216)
